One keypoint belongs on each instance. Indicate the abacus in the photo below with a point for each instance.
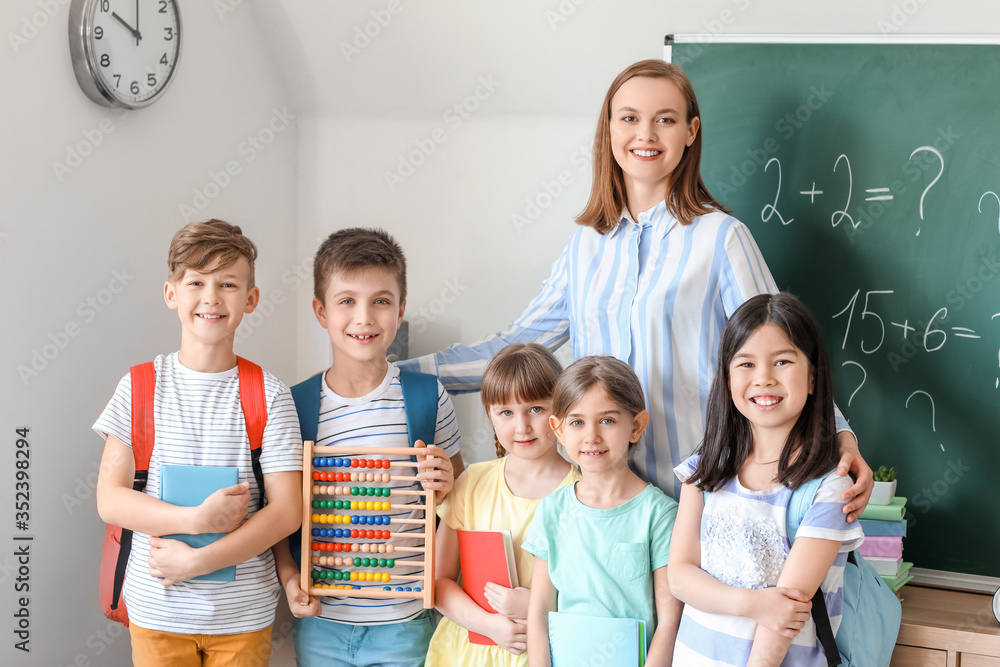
(369, 562)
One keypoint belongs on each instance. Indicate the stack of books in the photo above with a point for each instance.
(885, 529)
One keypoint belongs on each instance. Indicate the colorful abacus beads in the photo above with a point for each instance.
(330, 462)
(353, 519)
(318, 476)
(338, 575)
(346, 547)
(352, 505)
(375, 491)
(353, 533)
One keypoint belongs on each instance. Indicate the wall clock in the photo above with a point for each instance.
(124, 51)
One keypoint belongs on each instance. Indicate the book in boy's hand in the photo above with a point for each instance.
(189, 486)
(576, 639)
(485, 556)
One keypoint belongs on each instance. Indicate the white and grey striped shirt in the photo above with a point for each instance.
(199, 421)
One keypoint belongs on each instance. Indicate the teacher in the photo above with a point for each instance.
(650, 276)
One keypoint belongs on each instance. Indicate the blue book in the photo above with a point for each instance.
(189, 486)
(575, 639)
(875, 528)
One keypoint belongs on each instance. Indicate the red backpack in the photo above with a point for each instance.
(117, 540)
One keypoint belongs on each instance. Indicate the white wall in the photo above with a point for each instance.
(358, 113)
(100, 232)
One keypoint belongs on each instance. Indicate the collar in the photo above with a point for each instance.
(658, 217)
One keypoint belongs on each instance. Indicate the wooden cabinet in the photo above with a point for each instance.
(947, 629)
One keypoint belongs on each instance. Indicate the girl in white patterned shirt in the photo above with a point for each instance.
(770, 429)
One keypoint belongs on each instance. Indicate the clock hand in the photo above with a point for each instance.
(132, 30)
(138, 35)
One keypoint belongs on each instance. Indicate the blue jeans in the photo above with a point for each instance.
(322, 643)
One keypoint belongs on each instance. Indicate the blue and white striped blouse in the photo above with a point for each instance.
(653, 293)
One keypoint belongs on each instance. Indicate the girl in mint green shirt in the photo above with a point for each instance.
(601, 546)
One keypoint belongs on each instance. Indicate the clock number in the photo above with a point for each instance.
(170, 34)
(151, 80)
(105, 60)
(118, 80)
(163, 7)
(134, 88)
(163, 60)
(98, 32)
(105, 6)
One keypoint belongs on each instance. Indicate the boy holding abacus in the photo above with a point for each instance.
(359, 298)
(199, 421)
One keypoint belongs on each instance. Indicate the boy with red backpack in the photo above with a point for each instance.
(201, 406)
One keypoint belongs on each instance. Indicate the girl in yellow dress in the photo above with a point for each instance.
(500, 495)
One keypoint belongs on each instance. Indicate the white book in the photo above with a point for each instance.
(885, 566)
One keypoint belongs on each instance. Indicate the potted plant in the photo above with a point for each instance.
(885, 486)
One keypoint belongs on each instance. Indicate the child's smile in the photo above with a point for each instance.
(770, 380)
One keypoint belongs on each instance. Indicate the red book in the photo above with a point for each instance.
(485, 556)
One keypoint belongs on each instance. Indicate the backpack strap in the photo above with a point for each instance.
(802, 500)
(143, 381)
(254, 404)
(420, 401)
(306, 395)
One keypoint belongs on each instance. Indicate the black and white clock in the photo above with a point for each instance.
(124, 51)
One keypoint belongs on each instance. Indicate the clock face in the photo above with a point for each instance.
(130, 48)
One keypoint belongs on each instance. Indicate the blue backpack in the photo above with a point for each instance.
(871, 616)
(420, 402)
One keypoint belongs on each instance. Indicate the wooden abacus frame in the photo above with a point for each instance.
(429, 507)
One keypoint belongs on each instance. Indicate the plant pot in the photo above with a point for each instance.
(884, 493)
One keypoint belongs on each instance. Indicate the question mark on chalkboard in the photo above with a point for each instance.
(864, 376)
(931, 399)
(941, 158)
(989, 192)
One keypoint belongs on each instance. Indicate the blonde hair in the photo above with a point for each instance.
(519, 373)
(209, 246)
(686, 194)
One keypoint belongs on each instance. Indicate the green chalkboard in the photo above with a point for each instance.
(867, 175)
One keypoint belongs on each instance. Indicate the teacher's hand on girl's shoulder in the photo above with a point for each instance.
(852, 462)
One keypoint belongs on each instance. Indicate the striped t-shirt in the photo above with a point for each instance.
(378, 419)
(744, 544)
(199, 421)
